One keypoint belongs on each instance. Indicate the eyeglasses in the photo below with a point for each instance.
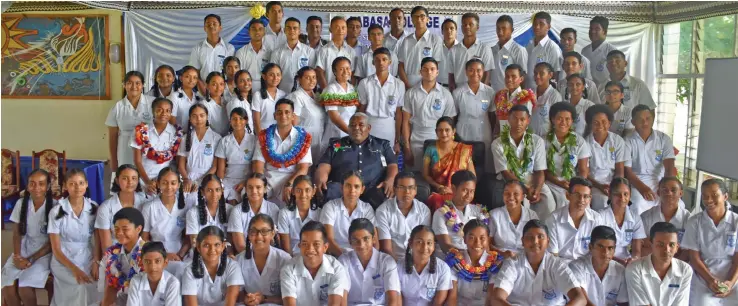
(406, 188)
(262, 232)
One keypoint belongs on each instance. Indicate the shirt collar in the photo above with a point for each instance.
(437, 87)
(425, 36)
(673, 270)
(325, 267)
(390, 79)
(508, 45)
(526, 263)
(221, 42)
(566, 217)
(344, 45)
(293, 131)
(543, 41)
(590, 266)
(371, 265)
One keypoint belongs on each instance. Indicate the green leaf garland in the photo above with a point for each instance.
(514, 164)
(570, 142)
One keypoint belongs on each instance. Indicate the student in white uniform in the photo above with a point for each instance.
(473, 99)
(597, 51)
(353, 31)
(337, 214)
(264, 101)
(196, 157)
(609, 154)
(260, 263)
(299, 211)
(425, 103)
(156, 286)
(568, 40)
(567, 153)
(365, 63)
(668, 210)
(449, 28)
(571, 226)
(469, 48)
(123, 259)
(473, 269)
(274, 32)
(126, 193)
(710, 239)
(541, 48)
(233, 154)
(622, 122)
(398, 216)
(601, 277)
(622, 219)
(165, 219)
(231, 65)
(382, 97)
(521, 156)
(256, 54)
(506, 52)
(506, 223)
(546, 96)
(186, 96)
(27, 269)
(660, 278)
(215, 102)
(450, 218)
(417, 46)
(636, 92)
(315, 277)
(313, 29)
(242, 96)
(293, 55)
(208, 56)
(536, 277)
(155, 145)
(374, 275)
(210, 210)
(396, 34)
(572, 64)
(165, 83)
(576, 95)
(253, 204)
(310, 114)
(508, 97)
(126, 114)
(651, 158)
(212, 279)
(340, 99)
(336, 48)
(75, 261)
(424, 278)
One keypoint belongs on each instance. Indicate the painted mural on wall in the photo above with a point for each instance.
(55, 56)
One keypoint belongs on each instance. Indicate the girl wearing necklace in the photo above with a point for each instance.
(424, 279)
(310, 115)
(242, 96)
(196, 157)
(300, 210)
(123, 259)
(215, 102)
(211, 208)
(186, 96)
(156, 286)
(546, 95)
(576, 94)
(155, 145)
(212, 279)
(253, 204)
(337, 214)
(340, 99)
(509, 96)
(608, 153)
(506, 223)
(233, 154)
(567, 153)
(448, 221)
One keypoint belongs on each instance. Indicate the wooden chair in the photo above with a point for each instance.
(11, 180)
(51, 161)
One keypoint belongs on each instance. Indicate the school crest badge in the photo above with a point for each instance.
(612, 153)
(437, 104)
(426, 52)
(659, 155)
(208, 149)
(274, 287)
(485, 105)
(391, 100)
(549, 294)
(628, 235)
(601, 66)
(303, 61)
(730, 240)
(504, 61)
(430, 293)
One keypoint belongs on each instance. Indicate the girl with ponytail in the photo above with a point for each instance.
(261, 262)
(215, 101)
(234, 153)
(212, 278)
(242, 95)
(231, 64)
(546, 95)
(165, 83)
(266, 100)
(433, 273)
(253, 204)
(308, 112)
(211, 208)
(301, 209)
(187, 95)
(196, 158)
(126, 193)
(28, 267)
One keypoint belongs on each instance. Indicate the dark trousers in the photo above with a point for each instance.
(372, 195)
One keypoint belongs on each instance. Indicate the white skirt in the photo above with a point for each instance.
(383, 128)
(68, 292)
(34, 276)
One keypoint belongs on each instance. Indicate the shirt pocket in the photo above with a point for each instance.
(378, 288)
(730, 240)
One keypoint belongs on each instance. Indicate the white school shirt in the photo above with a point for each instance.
(275, 38)
(473, 122)
(585, 72)
(359, 49)
(172, 93)
(202, 153)
(581, 151)
(167, 291)
(123, 116)
(510, 97)
(208, 58)
(237, 155)
(245, 104)
(328, 53)
(181, 109)
(546, 51)
(566, 240)
(331, 279)
(420, 288)
(192, 220)
(381, 101)
(217, 117)
(593, 93)
(335, 214)
(654, 214)
(211, 292)
(254, 62)
(635, 92)
(290, 223)
(471, 211)
(106, 211)
(579, 123)
(425, 108)
(365, 64)
(370, 284)
(445, 66)
(539, 121)
(598, 58)
(510, 53)
(645, 287)
(238, 221)
(622, 120)
(604, 157)
(507, 235)
(265, 106)
(632, 229)
(312, 117)
(292, 60)
(608, 291)
(75, 232)
(461, 54)
(647, 157)
(164, 225)
(472, 292)
(267, 282)
(393, 225)
(276, 177)
(392, 43)
(346, 112)
(412, 51)
(159, 142)
(716, 244)
(547, 287)
(35, 238)
(538, 156)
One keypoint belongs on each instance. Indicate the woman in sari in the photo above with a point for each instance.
(442, 160)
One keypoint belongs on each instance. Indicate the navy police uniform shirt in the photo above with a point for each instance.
(370, 158)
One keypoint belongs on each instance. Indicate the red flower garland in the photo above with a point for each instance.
(142, 139)
(503, 106)
(300, 154)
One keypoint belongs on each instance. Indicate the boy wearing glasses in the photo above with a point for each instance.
(397, 217)
(635, 90)
(571, 226)
(416, 47)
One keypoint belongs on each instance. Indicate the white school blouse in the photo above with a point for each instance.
(75, 232)
(420, 288)
(608, 291)
(508, 236)
(472, 293)
(202, 153)
(167, 291)
(632, 229)
(566, 240)
(605, 156)
(35, 238)
(331, 279)
(369, 285)
(265, 106)
(237, 155)
(192, 221)
(290, 223)
(124, 117)
(217, 117)
(106, 211)
(238, 221)
(539, 121)
(335, 214)
(267, 282)
(159, 142)
(167, 226)
(525, 287)
(211, 292)
(393, 225)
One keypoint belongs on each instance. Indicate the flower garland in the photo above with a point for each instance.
(338, 99)
(468, 272)
(289, 158)
(570, 142)
(516, 165)
(160, 157)
(452, 219)
(503, 106)
(116, 278)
